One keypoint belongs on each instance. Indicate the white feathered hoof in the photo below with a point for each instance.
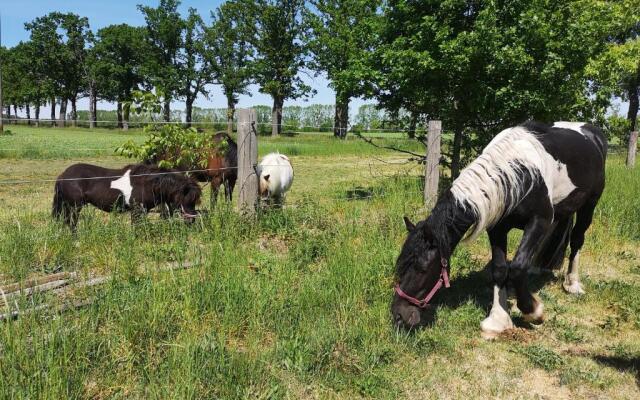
(573, 287)
(537, 316)
(497, 322)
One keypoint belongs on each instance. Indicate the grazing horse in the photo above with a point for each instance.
(276, 176)
(222, 167)
(221, 160)
(136, 188)
(533, 177)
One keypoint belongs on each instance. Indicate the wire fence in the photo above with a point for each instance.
(215, 124)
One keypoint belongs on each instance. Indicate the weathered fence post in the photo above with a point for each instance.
(247, 161)
(431, 170)
(633, 144)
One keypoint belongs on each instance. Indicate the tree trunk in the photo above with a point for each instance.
(341, 118)
(119, 113)
(53, 111)
(15, 113)
(231, 109)
(632, 115)
(8, 114)
(276, 116)
(38, 114)
(412, 125)
(94, 115)
(74, 111)
(28, 110)
(63, 113)
(455, 156)
(189, 110)
(631, 153)
(167, 109)
(92, 106)
(126, 107)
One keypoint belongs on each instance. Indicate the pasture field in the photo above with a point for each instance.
(296, 303)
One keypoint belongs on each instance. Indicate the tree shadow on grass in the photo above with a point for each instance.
(621, 363)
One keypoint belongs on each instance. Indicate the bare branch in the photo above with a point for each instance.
(416, 156)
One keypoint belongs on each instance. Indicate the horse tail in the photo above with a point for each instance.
(57, 209)
(555, 245)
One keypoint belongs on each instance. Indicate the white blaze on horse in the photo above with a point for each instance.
(276, 176)
(534, 177)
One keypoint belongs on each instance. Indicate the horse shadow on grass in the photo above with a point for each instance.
(621, 363)
(477, 286)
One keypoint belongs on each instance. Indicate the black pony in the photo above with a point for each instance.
(533, 177)
(136, 188)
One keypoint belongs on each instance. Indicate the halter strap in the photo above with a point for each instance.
(443, 280)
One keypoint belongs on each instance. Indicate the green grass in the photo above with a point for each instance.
(295, 304)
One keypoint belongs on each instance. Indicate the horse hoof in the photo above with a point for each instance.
(496, 323)
(537, 316)
(574, 288)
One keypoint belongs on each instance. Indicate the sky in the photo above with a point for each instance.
(15, 13)
(101, 13)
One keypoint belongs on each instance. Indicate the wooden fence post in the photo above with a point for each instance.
(633, 144)
(247, 161)
(431, 170)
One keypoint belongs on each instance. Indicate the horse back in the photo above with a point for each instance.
(582, 149)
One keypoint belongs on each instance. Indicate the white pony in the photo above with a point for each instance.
(276, 176)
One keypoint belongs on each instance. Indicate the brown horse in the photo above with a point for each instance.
(136, 188)
(222, 166)
(221, 160)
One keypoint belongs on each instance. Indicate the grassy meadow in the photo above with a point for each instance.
(294, 304)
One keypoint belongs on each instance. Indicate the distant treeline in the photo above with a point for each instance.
(311, 118)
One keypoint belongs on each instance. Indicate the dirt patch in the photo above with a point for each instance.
(539, 384)
(519, 335)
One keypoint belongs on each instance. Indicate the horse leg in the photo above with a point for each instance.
(137, 212)
(228, 191)
(231, 184)
(583, 221)
(215, 189)
(71, 215)
(536, 229)
(498, 319)
(166, 210)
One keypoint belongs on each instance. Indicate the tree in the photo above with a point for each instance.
(46, 44)
(343, 35)
(164, 36)
(115, 66)
(230, 54)
(276, 32)
(195, 65)
(616, 72)
(484, 66)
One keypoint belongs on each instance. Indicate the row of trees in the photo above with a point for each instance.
(264, 42)
(477, 65)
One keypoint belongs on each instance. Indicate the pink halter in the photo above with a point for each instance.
(443, 280)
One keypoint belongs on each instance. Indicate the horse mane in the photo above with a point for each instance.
(495, 182)
(169, 182)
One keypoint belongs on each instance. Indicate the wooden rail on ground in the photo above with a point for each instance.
(60, 284)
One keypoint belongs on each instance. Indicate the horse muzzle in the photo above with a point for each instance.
(189, 216)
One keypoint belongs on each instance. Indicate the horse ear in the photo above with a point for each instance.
(266, 177)
(407, 222)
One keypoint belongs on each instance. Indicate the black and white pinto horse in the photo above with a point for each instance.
(136, 188)
(533, 177)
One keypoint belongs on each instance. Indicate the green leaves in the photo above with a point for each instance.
(168, 145)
